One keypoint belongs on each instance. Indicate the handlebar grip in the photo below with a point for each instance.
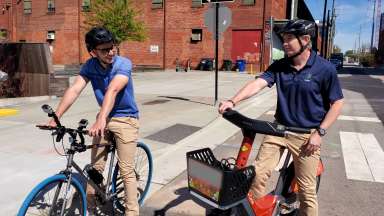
(299, 130)
(46, 127)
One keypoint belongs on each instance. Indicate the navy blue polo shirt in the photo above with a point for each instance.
(304, 96)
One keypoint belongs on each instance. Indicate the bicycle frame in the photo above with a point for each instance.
(271, 204)
(267, 205)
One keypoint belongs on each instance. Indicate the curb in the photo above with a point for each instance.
(8, 112)
(165, 170)
(6, 102)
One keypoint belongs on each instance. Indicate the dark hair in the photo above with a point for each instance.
(299, 27)
(97, 36)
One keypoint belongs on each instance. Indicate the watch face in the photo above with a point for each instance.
(321, 131)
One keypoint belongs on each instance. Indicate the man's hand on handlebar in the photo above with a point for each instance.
(98, 128)
(224, 105)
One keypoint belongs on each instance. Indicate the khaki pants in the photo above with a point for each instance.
(125, 130)
(267, 159)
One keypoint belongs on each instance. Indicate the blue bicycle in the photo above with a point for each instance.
(64, 193)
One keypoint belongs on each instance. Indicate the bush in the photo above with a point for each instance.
(367, 59)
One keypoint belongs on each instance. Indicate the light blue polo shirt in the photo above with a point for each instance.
(100, 78)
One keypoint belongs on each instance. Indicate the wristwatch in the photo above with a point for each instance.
(321, 131)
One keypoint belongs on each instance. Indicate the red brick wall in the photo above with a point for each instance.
(180, 17)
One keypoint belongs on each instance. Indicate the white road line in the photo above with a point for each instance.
(356, 165)
(347, 118)
(374, 154)
(363, 156)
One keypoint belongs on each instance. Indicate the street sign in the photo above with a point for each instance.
(225, 19)
(215, 1)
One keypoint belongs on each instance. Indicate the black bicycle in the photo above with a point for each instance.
(64, 193)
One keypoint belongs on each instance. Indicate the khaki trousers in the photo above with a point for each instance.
(125, 131)
(268, 158)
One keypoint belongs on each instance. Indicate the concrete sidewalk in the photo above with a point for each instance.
(177, 114)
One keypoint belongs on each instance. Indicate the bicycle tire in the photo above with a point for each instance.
(118, 187)
(36, 198)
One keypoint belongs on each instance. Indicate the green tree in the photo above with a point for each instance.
(349, 53)
(118, 16)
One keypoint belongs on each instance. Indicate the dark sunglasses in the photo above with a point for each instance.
(106, 50)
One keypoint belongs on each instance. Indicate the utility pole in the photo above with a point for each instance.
(327, 36)
(373, 23)
(323, 29)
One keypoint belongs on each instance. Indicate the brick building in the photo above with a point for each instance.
(176, 30)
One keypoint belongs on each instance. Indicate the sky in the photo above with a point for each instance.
(351, 15)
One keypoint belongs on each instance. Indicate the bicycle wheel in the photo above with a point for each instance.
(143, 171)
(47, 198)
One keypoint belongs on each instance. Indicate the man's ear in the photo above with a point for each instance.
(92, 53)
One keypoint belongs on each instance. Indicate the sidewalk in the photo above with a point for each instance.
(176, 115)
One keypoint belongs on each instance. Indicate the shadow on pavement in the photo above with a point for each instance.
(183, 195)
(371, 88)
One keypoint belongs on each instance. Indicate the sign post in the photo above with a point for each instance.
(221, 23)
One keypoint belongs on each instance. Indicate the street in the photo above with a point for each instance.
(352, 150)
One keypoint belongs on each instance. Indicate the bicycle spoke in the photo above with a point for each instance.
(49, 201)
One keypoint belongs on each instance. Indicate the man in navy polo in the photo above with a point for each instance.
(308, 96)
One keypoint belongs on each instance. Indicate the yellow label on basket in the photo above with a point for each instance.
(244, 148)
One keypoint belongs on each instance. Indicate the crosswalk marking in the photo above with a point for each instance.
(346, 118)
(363, 156)
(374, 155)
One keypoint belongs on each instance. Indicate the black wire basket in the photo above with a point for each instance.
(218, 182)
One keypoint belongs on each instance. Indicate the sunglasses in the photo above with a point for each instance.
(105, 51)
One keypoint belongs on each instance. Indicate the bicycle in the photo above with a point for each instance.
(225, 185)
(64, 193)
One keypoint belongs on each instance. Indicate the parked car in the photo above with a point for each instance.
(338, 64)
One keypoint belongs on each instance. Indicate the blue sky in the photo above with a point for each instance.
(351, 14)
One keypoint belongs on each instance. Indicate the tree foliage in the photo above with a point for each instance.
(118, 16)
(336, 49)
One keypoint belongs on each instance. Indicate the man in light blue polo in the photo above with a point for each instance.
(110, 76)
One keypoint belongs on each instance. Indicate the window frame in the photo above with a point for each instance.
(27, 10)
(51, 6)
(157, 4)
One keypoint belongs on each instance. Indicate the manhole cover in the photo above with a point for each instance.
(154, 102)
(173, 134)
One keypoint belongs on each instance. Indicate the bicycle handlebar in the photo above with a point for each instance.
(262, 127)
(60, 130)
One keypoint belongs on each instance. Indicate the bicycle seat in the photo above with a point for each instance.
(256, 126)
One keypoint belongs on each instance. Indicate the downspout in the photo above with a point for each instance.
(79, 30)
(263, 39)
(164, 36)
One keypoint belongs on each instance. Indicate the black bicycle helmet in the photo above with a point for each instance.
(299, 27)
(97, 36)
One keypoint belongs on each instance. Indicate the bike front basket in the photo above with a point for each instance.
(210, 179)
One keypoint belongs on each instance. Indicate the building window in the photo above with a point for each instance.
(197, 3)
(51, 6)
(27, 6)
(3, 34)
(86, 6)
(197, 35)
(157, 3)
(248, 2)
(50, 35)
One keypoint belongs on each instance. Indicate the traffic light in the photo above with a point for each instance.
(215, 1)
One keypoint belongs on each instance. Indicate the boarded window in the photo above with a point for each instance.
(157, 3)
(51, 6)
(196, 3)
(86, 5)
(27, 6)
(248, 2)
